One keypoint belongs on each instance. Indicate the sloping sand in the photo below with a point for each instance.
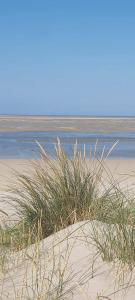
(67, 262)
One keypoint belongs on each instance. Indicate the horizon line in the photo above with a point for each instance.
(69, 115)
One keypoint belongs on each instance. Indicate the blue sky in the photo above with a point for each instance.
(67, 57)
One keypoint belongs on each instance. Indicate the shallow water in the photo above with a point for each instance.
(23, 144)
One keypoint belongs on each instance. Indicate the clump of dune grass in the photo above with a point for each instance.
(59, 192)
(116, 243)
(115, 240)
(62, 191)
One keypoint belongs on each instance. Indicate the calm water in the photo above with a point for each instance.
(23, 145)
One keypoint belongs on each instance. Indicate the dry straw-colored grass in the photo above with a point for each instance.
(62, 191)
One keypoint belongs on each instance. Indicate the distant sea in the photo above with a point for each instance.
(23, 144)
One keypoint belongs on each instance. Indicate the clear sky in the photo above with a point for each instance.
(67, 57)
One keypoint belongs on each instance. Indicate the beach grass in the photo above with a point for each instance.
(59, 192)
(62, 191)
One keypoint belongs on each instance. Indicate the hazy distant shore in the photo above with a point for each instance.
(66, 123)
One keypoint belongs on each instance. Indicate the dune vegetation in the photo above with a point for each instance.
(62, 191)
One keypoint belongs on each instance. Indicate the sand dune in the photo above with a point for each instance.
(64, 264)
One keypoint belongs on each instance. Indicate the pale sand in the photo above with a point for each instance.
(7, 169)
(87, 278)
(65, 263)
